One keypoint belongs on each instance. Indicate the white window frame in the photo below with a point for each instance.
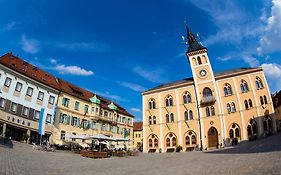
(14, 107)
(40, 96)
(49, 118)
(18, 87)
(7, 82)
(51, 100)
(35, 115)
(2, 102)
(25, 111)
(29, 91)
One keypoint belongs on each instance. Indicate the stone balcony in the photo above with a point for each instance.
(208, 99)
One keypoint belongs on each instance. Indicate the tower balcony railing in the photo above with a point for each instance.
(208, 99)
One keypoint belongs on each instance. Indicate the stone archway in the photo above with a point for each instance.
(213, 138)
(267, 125)
(252, 130)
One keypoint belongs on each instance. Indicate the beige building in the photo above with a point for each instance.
(207, 110)
(277, 107)
(138, 135)
(80, 112)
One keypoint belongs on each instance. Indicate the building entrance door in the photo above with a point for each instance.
(212, 137)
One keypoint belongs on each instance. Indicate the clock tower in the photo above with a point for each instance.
(206, 90)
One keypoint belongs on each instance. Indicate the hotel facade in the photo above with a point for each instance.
(29, 93)
(207, 110)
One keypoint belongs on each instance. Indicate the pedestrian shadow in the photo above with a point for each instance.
(6, 143)
(264, 145)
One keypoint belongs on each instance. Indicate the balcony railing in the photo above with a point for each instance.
(208, 99)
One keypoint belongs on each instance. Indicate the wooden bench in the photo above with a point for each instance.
(119, 153)
(189, 149)
(94, 154)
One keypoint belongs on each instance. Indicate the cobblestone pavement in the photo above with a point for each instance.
(259, 157)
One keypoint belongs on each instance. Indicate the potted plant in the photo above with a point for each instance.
(25, 137)
(178, 148)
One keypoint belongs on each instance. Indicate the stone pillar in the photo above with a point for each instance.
(28, 133)
(4, 129)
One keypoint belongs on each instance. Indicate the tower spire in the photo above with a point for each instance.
(193, 44)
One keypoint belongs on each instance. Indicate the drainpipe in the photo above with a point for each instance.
(200, 135)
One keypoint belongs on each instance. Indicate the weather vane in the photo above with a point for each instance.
(184, 39)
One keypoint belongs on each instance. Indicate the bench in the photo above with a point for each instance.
(94, 154)
(189, 148)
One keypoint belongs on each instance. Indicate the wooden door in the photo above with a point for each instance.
(212, 137)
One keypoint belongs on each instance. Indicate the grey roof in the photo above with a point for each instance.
(190, 79)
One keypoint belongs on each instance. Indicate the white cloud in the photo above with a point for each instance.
(252, 61)
(153, 75)
(271, 38)
(10, 26)
(134, 87)
(110, 96)
(73, 70)
(272, 70)
(83, 46)
(53, 61)
(135, 109)
(273, 73)
(29, 45)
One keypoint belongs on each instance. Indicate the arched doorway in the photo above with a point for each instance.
(252, 130)
(267, 125)
(213, 137)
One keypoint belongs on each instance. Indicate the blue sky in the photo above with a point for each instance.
(120, 48)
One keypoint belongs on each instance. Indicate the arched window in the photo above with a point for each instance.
(231, 134)
(250, 103)
(172, 118)
(167, 118)
(154, 120)
(186, 98)
(150, 120)
(187, 140)
(259, 84)
(193, 138)
(246, 104)
(244, 86)
(261, 100)
(150, 142)
(199, 60)
(168, 142)
(151, 104)
(174, 141)
(213, 111)
(190, 115)
(155, 142)
(233, 108)
(207, 92)
(185, 115)
(169, 100)
(265, 100)
(207, 111)
(227, 90)
(171, 137)
(228, 108)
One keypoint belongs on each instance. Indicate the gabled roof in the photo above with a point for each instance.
(29, 70)
(137, 126)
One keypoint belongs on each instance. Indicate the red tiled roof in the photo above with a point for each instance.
(29, 70)
(137, 126)
(43, 77)
(86, 95)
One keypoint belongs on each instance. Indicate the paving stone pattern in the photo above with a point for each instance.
(258, 157)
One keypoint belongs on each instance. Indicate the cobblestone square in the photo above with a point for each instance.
(258, 157)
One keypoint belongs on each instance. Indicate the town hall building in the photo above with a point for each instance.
(208, 110)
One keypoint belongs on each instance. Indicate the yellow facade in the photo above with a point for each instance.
(227, 106)
(137, 139)
(96, 117)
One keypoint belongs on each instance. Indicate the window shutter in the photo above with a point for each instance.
(61, 118)
(78, 122)
(68, 119)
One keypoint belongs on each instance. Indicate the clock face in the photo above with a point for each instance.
(203, 73)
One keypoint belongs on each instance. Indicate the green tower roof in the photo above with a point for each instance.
(95, 99)
(112, 106)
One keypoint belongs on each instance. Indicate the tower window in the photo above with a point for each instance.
(199, 60)
(169, 101)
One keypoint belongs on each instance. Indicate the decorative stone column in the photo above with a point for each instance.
(4, 129)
